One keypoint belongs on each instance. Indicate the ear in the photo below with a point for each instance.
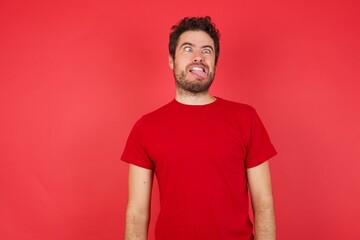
(171, 63)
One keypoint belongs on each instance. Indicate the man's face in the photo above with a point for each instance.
(194, 63)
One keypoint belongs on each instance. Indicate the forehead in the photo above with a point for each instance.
(197, 38)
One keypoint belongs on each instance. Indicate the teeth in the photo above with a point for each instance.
(198, 69)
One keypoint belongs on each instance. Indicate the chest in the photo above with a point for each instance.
(198, 143)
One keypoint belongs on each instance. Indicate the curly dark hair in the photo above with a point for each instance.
(193, 24)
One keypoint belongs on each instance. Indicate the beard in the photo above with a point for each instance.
(194, 87)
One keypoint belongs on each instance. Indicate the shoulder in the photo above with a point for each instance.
(236, 107)
(158, 114)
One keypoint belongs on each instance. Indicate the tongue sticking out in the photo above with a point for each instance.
(199, 73)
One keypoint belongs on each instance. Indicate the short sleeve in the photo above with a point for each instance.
(259, 148)
(135, 148)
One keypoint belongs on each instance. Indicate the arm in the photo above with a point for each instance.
(262, 200)
(138, 209)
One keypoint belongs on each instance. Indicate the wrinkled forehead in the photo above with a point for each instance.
(198, 38)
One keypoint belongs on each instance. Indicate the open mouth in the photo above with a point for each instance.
(199, 71)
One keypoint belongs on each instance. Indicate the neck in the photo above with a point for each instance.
(189, 98)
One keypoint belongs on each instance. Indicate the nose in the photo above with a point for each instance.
(198, 58)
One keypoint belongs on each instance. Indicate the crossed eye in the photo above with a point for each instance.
(187, 49)
(205, 50)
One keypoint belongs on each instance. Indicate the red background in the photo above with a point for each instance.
(76, 75)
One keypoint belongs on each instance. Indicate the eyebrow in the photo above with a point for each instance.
(192, 45)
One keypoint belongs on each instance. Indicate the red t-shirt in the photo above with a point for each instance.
(200, 155)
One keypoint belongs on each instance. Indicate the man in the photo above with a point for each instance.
(206, 152)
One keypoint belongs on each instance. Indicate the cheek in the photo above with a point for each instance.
(211, 64)
(182, 63)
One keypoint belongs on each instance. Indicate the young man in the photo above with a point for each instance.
(206, 152)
